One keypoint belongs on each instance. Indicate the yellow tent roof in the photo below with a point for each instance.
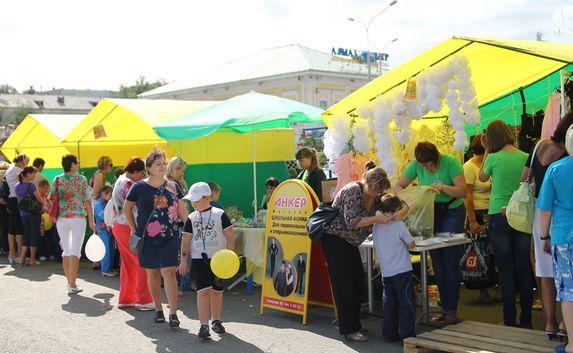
(499, 69)
(122, 128)
(40, 135)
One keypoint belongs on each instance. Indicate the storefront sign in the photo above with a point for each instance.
(290, 276)
(362, 56)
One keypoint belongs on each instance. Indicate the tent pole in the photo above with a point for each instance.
(255, 203)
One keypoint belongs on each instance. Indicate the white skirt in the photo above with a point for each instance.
(543, 260)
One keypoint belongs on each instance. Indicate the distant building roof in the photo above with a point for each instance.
(270, 62)
(47, 102)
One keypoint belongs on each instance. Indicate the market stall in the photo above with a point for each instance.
(239, 143)
(41, 135)
(469, 81)
(462, 83)
(122, 128)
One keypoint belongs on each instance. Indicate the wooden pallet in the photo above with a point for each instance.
(474, 337)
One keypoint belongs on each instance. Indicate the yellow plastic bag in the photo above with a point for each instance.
(420, 217)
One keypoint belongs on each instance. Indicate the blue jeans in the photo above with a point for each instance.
(399, 306)
(446, 261)
(108, 259)
(512, 250)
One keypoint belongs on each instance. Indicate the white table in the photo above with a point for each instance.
(423, 251)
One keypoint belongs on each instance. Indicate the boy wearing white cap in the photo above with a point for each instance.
(207, 230)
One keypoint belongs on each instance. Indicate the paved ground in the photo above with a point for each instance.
(39, 316)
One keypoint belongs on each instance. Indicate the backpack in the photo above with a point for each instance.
(521, 206)
(109, 214)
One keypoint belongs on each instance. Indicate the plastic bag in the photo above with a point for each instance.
(476, 265)
(420, 217)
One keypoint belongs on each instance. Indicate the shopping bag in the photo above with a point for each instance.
(476, 266)
(420, 216)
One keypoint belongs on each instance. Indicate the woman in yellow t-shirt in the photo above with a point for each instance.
(477, 198)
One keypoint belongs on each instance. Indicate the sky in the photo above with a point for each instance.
(102, 44)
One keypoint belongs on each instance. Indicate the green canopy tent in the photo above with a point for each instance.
(247, 113)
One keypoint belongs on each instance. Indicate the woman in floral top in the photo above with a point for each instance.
(358, 202)
(159, 211)
(74, 205)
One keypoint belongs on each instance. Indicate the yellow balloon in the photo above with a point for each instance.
(225, 264)
(48, 224)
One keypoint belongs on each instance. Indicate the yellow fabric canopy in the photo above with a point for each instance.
(41, 135)
(500, 68)
(123, 128)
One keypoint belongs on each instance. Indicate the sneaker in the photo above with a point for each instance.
(74, 290)
(43, 258)
(145, 307)
(218, 327)
(204, 332)
(125, 305)
(109, 274)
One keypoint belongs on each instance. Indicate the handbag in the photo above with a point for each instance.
(320, 220)
(136, 241)
(521, 207)
(477, 269)
(30, 204)
(55, 206)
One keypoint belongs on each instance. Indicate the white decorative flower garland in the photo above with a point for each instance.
(449, 82)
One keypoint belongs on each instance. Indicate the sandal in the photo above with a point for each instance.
(552, 334)
(159, 317)
(173, 320)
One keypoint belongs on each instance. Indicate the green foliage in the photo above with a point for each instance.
(141, 85)
(7, 89)
(20, 114)
(30, 90)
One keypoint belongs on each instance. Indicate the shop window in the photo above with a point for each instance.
(323, 104)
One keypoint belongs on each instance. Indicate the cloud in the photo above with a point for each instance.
(65, 43)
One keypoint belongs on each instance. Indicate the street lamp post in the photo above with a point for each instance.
(367, 27)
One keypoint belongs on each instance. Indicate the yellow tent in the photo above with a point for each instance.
(123, 128)
(41, 135)
(501, 71)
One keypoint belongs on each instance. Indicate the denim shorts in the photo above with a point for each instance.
(563, 271)
(160, 254)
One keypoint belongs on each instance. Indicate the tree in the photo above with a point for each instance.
(7, 89)
(20, 114)
(30, 90)
(141, 85)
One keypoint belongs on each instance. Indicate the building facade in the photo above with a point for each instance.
(295, 72)
(17, 106)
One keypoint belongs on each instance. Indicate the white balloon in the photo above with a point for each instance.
(95, 248)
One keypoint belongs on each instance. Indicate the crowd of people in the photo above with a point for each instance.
(181, 227)
(470, 198)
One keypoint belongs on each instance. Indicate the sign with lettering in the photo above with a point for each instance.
(361, 56)
(291, 278)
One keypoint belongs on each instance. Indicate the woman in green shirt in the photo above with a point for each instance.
(503, 163)
(445, 174)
